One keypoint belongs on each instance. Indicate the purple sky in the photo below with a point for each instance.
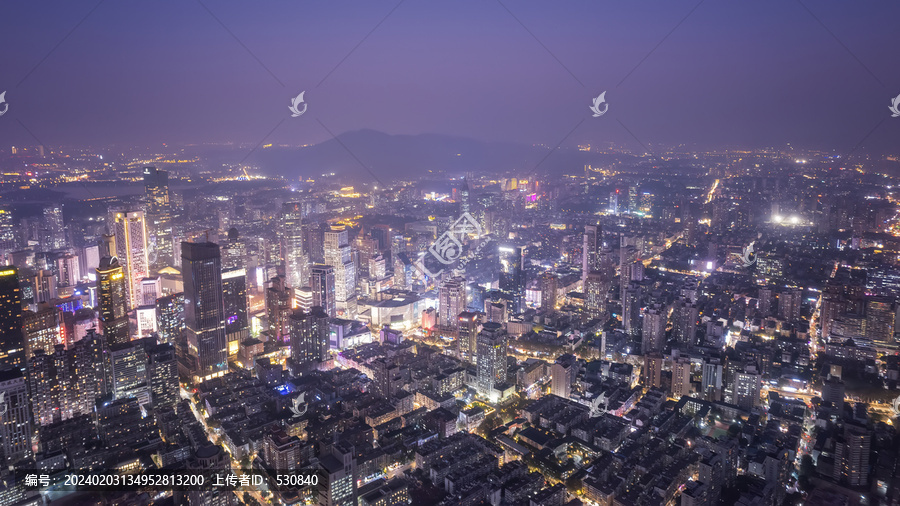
(750, 74)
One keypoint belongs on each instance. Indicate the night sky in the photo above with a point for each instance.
(713, 74)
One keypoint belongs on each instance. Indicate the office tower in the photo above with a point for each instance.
(170, 318)
(237, 322)
(880, 320)
(451, 301)
(631, 309)
(309, 337)
(15, 424)
(204, 310)
(789, 304)
(562, 374)
(12, 340)
(747, 386)
(684, 322)
(303, 298)
(653, 337)
(468, 325)
(651, 373)
(127, 363)
(45, 284)
(590, 250)
(278, 307)
(711, 382)
(681, 377)
(132, 249)
(53, 231)
(292, 230)
(162, 372)
(322, 281)
(69, 268)
(512, 276)
(151, 289)
(159, 217)
(595, 288)
(853, 453)
(234, 251)
(43, 330)
(338, 255)
(548, 291)
(491, 350)
(112, 298)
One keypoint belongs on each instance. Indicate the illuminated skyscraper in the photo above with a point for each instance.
(309, 337)
(492, 348)
(112, 297)
(204, 310)
(595, 289)
(128, 371)
(43, 330)
(12, 341)
(159, 216)
(53, 232)
(339, 256)
(654, 330)
(548, 290)
(296, 263)
(170, 318)
(237, 324)
(132, 249)
(452, 301)
(590, 250)
(684, 322)
(512, 275)
(467, 329)
(162, 373)
(322, 281)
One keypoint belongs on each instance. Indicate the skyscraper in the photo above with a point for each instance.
(880, 320)
(590, 250)
(595, 289)
(467, 329)
(15, 425)
(170, 318)
(296, 263)
(512, 275)
(653, 338)
(681, 377)
(159, 216)
(492, 348)
(12, 341)
(162, 373)
(309, 337)
(128, 371)
(631, 309)
(237, 323)
(747, 386)
(321, 279)
(43, 330)
(548, 290)
(112, 297)
(451, 301)
(204, 310)
(53, 232)
(684, 322)
(562, 374)
(338, 255)
(132, 249)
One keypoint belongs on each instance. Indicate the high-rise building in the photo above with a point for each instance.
(43, 330)
(764, 304)
(132, 249)
(880, 321)
(590, 250)
(112, 296)
(170, 318)
(159, 217)
(549, 284)
(48, 378)
(853, 453)
(338, 255)
(711, 382)
(467, 329)
(512, 276)
(53, 231)
(631, 309)
(681, 377)
(321, 280)
(303, 298)
(15, 424)
(309, 337)
(451, 301)
(562, 374)
(69, 268)
(684, 322)
(45, 283)
(747, 386)
(595, 289)
(162, 373)
(12, 340)
(127, 365)
(234, 251)
(296, 262)
(653, 338)
(789, 304)
(237, 323)
(204, 310)
(651, 373)
(278, 307)
(492, 346)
